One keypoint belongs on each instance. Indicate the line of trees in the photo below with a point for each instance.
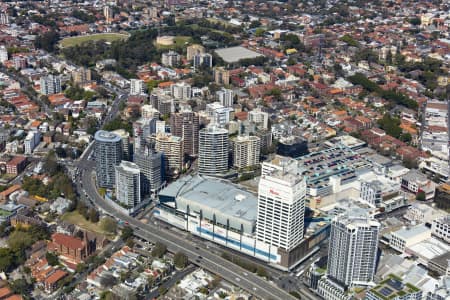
(246, 264)
(390, 95)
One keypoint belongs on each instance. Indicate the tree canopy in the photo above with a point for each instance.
(159, 250)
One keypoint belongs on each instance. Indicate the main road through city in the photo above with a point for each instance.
(215, 264)
(202, 257)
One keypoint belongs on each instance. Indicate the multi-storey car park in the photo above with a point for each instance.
(337, 165)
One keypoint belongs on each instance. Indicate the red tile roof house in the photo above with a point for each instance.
(51, 282)
(5, 292)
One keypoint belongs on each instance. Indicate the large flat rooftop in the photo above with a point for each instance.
(337, 161)
(213, 196)
(235, 54)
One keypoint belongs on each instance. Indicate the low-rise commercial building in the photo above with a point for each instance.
(415, 182)
(441, 228)
(406, 237)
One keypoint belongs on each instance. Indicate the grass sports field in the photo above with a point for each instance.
(76, 40)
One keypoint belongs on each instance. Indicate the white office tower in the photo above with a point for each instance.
(260, 118)
(108, 13)
(281, 208)
(149, 112)
(170, 59)
(4, 18)
(50, 84)
(202, 60)
(225, 97)
(213, 151)
(353, 248)
(108, 154)
(3, 54)
(218, 114)
(246, 151)
(136, 87)
(32, 139)
(181, 91)
(128, 184)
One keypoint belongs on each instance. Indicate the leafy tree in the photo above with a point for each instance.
(255, 24)
(118, 123)
(82, 209)
(292, 41)
(93, 215)
(127, 232)
(52, 258)
(130, 243)
(406, 137)
(410, 163)
(81, 267)
(91, 125)
(215, 282)
(390, 125)
(414, 21)
(60, 152)
(421, 196)
(51, 165)
(150, 281)
(83, 16)
(20, 240)
(180, 260)
(162, 290)
(362, 80)
(259, 32)
(261, 271)
(21, 286)
(47, 41)
(442, 199)
(108, 224)
(3, 229)
(350, 41)
(291, 61)
(7, 260)
(108, 280)
(159, 250)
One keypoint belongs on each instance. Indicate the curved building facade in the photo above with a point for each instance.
(213, 151)
(108, 154)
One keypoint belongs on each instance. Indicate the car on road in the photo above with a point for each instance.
(238, 279)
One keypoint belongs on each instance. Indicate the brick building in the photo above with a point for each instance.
(16, 165)
(71, 248)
